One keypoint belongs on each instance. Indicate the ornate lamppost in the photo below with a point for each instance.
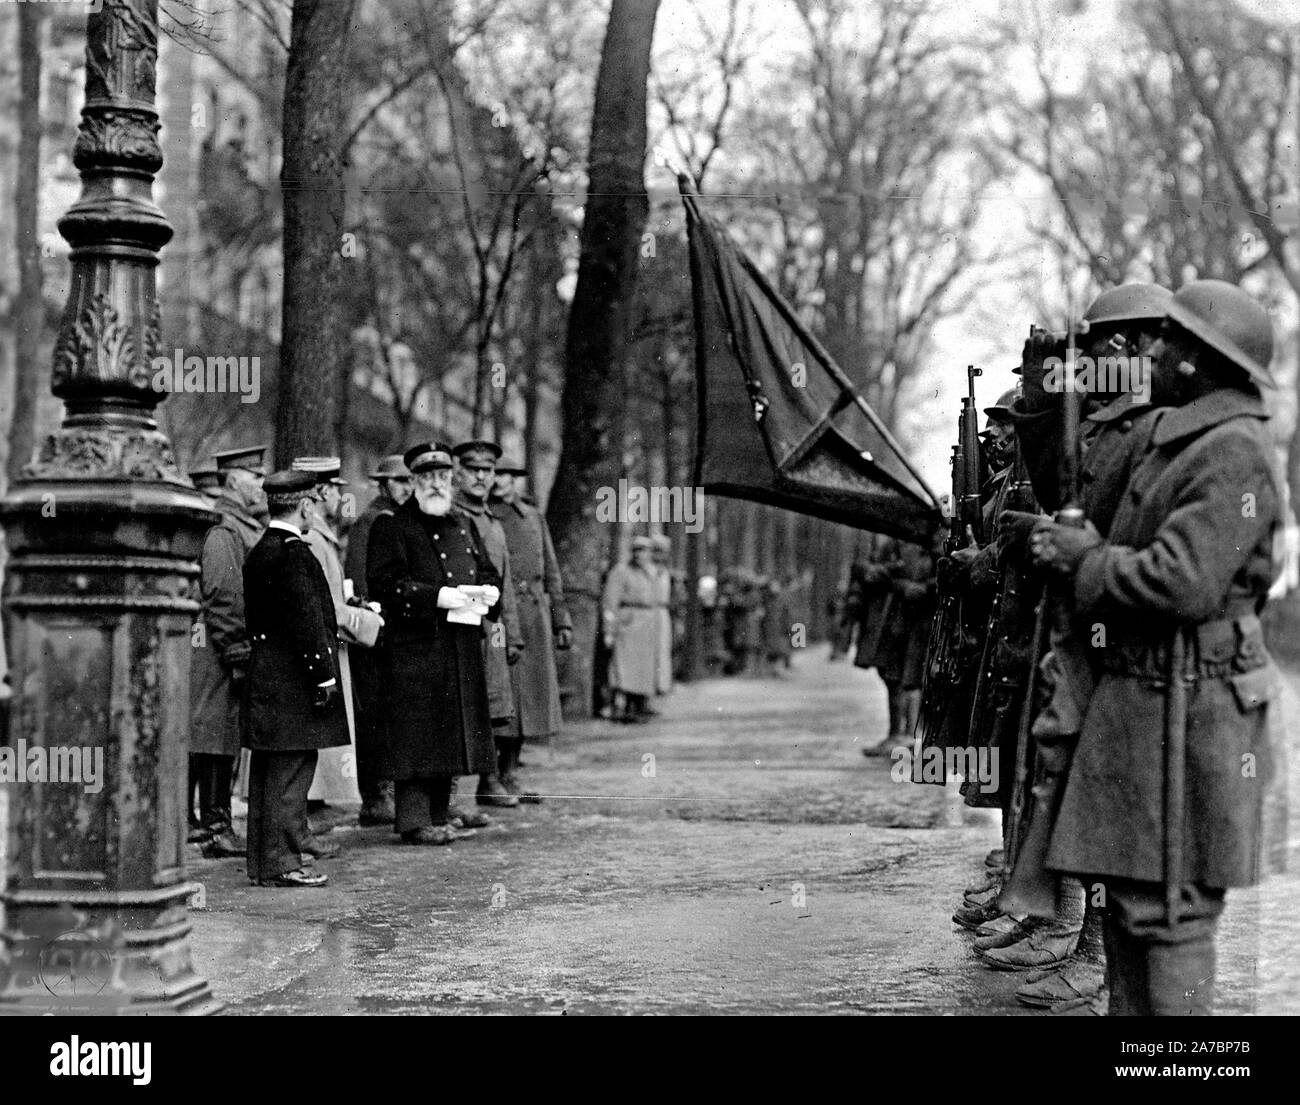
(104, 534)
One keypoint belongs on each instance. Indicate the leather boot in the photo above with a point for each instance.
(1049, 943)
(1180, 979)
(492, 793)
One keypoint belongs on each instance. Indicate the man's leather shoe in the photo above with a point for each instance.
(492, 793)
(983, 897)
(1078, 980)
(1001, 939)
(1095, 1006)
(298, 877)
(886, 747)
(382, 812)
(1041, 948)
(321, 849)
(430, 834)
(225, 844)
(996, 926)
(972, 916)
(198, 835)
(459, 818)
(511, 784)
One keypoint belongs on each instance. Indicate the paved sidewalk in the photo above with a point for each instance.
(736, 855)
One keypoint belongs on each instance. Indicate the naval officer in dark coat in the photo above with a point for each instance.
(427, 567)
(293, 701)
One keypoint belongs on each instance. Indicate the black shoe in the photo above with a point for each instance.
(511, 785)
(198, 835)
(225, 844)
(431, 835)
(492, 793)
(459, 818)
(321, 849)
(297, 877)
(380, 812)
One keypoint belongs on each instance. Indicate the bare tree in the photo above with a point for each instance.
(315, 124)
(598, 322)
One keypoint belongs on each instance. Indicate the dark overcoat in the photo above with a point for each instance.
(294, 642)
(367, 683)
(539, 595)
(223, 648)
(1189, 549)
(492, 538)
(432, 670)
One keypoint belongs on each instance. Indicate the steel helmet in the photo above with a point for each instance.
(1001, 410)
(1229, 321)
(1129, 303)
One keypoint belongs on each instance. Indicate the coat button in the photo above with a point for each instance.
(443, 555)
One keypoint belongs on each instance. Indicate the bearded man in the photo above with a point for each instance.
(427, 567)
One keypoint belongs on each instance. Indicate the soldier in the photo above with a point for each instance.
(336, 769)
(219, 667)
(544, 621)
(631, 631)
(394, 483)
(1120, 321)
(897, 601)
(503, 643)
(661, 549)
(427, 567)
(208, 481)
(1181, 702)
(292, 705)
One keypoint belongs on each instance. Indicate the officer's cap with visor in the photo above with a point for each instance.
(431, 456)
(287, 489)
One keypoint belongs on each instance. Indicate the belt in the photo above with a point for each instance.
(1225, 646)
(642, 605)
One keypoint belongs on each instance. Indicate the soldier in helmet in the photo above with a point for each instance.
(1184, 683)
(1121, 321)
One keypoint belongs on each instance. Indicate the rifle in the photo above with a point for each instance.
(972, 511)
(1031, 888)
(999, 683)
(943, 650)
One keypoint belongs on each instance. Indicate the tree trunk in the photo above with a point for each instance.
(593, 402)
(314, 337)
(30, 313)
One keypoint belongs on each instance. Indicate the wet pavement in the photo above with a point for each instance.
(736, 855)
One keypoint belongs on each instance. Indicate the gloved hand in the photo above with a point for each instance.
(513, 652)
(1038, 348)
(564, 639)
(452, 598)
(1062, 548)
(1014, 527)
(238, 673)
(326, 698)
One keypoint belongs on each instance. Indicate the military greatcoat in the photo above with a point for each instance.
(214, 694)
(539, 595)
(631, 597)
(1189, 548)
(432, 670)
(492, 538)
